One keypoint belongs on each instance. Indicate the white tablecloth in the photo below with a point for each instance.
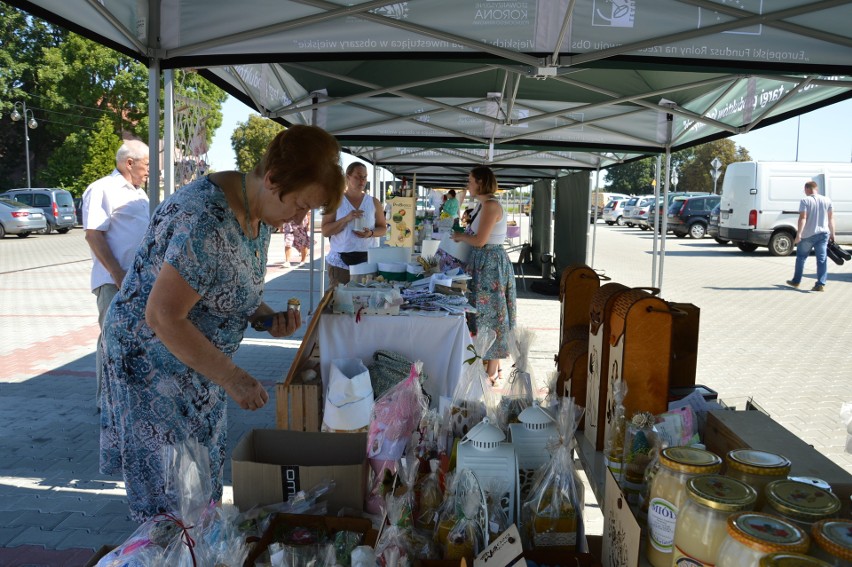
(440, 342)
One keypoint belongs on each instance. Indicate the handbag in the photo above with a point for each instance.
(353, 258)
(833, 254)
(833, 246)
(389, 369)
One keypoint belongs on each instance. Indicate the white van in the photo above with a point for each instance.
(760, 202)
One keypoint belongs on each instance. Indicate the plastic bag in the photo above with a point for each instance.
(188, 486)
(392, 547)
(551, 399)
(498, 521)
(473, 398)
(430, 498)
(349, 399)
(552, 515)
(640, 445)
(614, 440)
(467, 539)
(678, 427)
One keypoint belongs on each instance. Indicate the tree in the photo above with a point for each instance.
(632, 178)
(251, 138)
(695, 175)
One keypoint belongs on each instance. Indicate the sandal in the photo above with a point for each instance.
(493, 378)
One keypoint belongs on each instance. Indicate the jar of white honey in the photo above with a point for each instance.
(751, 535)
(791, 560)
(832, 541)
(757, 469)
(702, 522)
(668, 494)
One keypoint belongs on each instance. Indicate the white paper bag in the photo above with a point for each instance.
(349, 399)
(458, 250)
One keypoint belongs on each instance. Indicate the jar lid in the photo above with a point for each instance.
(801, 501)
(784, 559)
(690, 460)
(767, 533)
(754, 462)
(720, 492)
(834, 536)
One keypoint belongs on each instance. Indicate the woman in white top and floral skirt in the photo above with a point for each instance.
(353, 227)
(492, 287)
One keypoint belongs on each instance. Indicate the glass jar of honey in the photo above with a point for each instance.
(757, 469)
(833, 541)
(784, 559)
(668, 494)
(702, 522)
(800, 503)
(751, 535)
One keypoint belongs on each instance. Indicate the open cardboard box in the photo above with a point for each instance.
(270, 465)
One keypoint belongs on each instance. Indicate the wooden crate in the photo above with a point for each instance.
(299, 403)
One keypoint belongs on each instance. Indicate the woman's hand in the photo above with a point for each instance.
(364, 233)
(245, 390)
(355, 214)
(458, 236)
(281, 324)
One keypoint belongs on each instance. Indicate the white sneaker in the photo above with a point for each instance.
(286, 264)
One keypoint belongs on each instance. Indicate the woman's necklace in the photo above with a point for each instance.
(248, 228)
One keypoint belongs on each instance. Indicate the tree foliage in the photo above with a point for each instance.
(692, 166)
(75, 88)
(251, 138)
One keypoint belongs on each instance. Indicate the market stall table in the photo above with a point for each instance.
(440, 342)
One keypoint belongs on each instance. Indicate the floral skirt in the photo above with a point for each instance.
(492, 292)
(296, 236)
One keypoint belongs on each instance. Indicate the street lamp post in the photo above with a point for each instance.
(29, 122)
(674, 179)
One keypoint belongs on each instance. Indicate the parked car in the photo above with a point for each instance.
(613, 212)
(655, 211)
(18, 218)
(78, 209)
(56, 204)
(713, 225)
(628, 210)
(637, 215)
(691, 215)
(599, 201)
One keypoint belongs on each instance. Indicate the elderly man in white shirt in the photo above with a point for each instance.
(115, 218)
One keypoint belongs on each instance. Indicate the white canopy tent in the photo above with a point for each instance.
(534, 88)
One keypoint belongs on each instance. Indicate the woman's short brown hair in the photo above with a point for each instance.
(301, 156)
(486, 179)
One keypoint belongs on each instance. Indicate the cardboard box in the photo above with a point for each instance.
(726, 430)
(270, 465)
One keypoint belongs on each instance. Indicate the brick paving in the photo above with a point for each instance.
(760, 339)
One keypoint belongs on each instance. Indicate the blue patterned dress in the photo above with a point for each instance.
(150, 398)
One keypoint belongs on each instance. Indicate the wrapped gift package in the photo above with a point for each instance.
(367, 301)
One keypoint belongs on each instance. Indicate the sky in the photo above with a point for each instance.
(823, 135)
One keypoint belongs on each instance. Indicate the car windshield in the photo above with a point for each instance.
(676, 205)
(64, 199)
(632, 201)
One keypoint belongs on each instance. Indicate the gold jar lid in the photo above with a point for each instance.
(767, 533)
(721, 492)
(754, 462)
(784, 559)
(690, 460)
(800, 501)
(834, 536)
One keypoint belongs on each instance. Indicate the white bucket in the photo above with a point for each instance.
(430, 247)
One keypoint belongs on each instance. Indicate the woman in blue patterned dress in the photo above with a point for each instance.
(195, 285)
(492, 284)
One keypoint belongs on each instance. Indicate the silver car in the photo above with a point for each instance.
(18, 218)
(637, 215)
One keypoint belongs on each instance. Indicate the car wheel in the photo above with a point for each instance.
(23, 234)
(629, 224)
(781, 244)
(697, 230)
(619, 221)
(609, 222)
(643, 227)
(680, 234)
(48, 229)
(746, 246)
(62, 230)
(2, 231)
(722, 241)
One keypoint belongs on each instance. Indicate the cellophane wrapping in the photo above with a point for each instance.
(641, 443)
(473, 398)
(195, 531)
(467, 539)
(393, 549)
(552, 514)
(498, 521)
(614, 440)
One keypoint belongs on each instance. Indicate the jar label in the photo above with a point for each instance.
(682, 559)
(662, 516)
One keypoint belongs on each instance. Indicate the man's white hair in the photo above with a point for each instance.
(130, 149)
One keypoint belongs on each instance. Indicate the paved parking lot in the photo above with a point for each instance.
(785, 348)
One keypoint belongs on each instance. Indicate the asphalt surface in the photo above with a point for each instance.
(787, 349)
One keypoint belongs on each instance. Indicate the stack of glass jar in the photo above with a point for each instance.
(699, 518)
